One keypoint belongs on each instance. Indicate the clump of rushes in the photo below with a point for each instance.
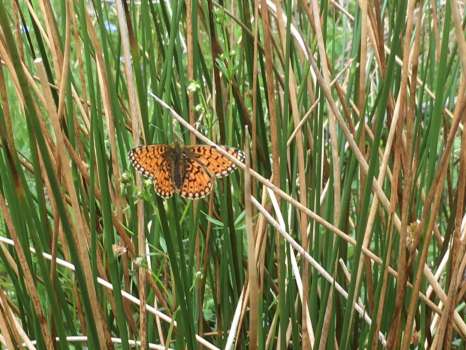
(342, 225)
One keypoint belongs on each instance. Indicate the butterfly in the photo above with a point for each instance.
(187, 170)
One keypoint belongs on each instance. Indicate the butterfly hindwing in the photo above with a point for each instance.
(197, 182)
(152, 163)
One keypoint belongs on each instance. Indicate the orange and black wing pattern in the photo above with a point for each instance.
(197, 182)
(151, 162)
(215, 162)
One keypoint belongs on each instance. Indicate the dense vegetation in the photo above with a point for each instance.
(345, 227)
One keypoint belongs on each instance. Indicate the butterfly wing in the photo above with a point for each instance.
(197, 182)
(215, 162)
(151, 162)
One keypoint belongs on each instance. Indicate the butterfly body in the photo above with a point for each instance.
(187, 170)
(177, 162)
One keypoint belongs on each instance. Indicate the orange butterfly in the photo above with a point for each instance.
(188, 170)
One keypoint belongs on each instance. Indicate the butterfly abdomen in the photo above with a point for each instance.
(177, 162)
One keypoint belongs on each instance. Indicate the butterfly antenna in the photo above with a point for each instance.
(178, 137)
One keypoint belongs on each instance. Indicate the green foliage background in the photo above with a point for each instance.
(344, 229)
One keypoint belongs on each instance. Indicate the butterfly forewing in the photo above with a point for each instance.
(215, 162)
(151, 162)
